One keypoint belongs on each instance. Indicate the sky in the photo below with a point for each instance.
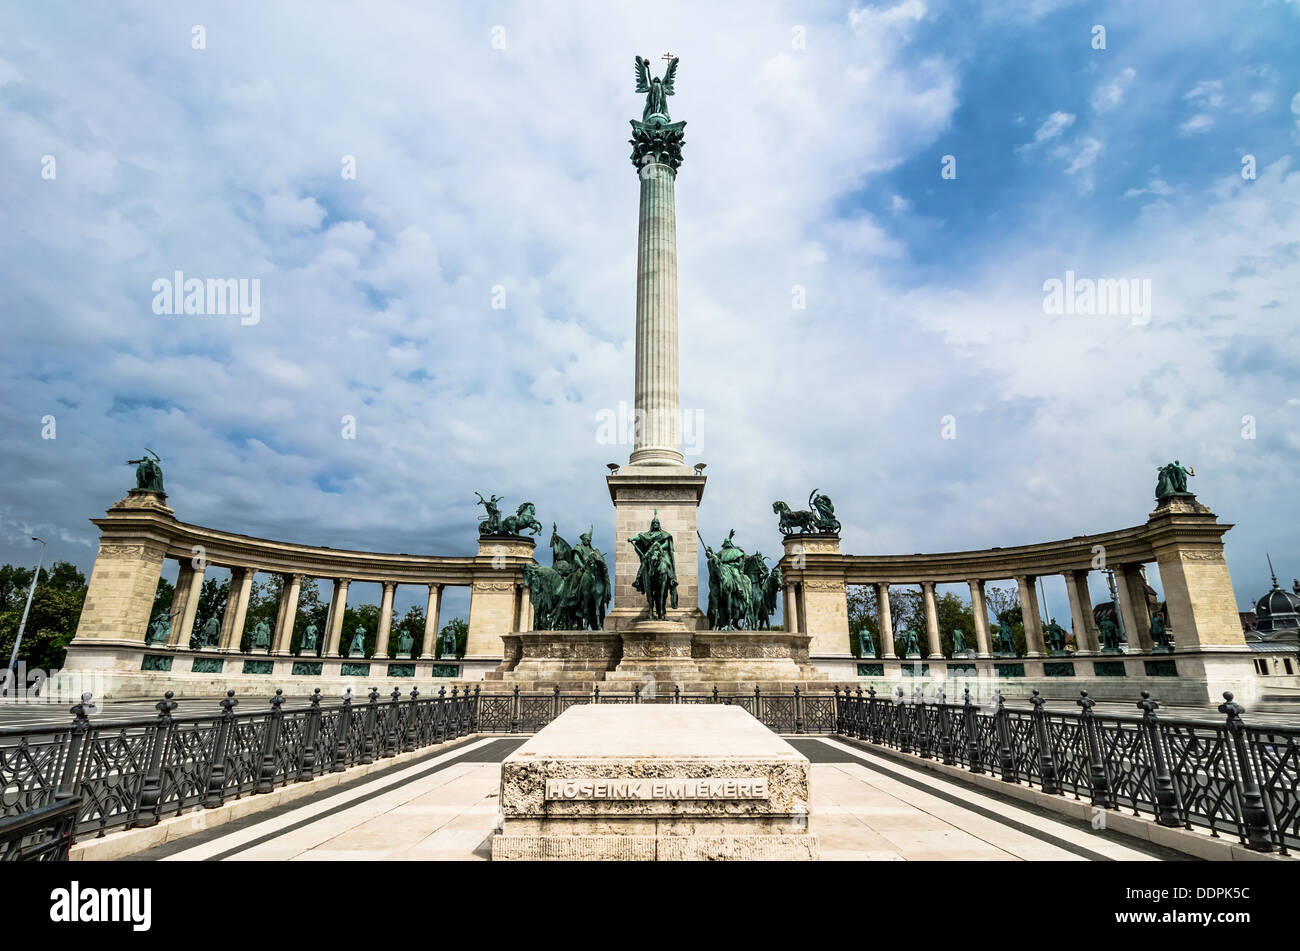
(437, 204)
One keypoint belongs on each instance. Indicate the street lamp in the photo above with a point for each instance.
(22, 625)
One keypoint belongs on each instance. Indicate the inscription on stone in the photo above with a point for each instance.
(584, 789)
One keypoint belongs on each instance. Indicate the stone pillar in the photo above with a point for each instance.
(431, 612)
(1085, 629)
(885, 618)
(121, 590)
(287, 614)
(820, 595)
(232, 619)
(385, 621)
(1133, 607)
(658, 437)
(526, 609)
(789, 608)
(338, 604)
(189, 585)
(933, 642)
(980, 608)
(1032, 617)
(1199, 596)
(498, 571)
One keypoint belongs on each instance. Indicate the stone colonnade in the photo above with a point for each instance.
(140, 533)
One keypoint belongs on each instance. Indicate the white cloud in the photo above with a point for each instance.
(1110, 95)
(1050, 129)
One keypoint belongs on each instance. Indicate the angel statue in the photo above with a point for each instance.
(657, 90)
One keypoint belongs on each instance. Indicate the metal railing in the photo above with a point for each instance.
(1223, 775)
(42, 835)
(132, 773)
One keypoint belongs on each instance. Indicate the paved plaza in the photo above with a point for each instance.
(865, 806)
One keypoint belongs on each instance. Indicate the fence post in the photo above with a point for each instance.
(391, 717)
(902, 722)
(1166, 796)
(798, 711)
(923, 737)
(514, 709)
(636, 692)
(1252, 801)
(440, 715)
(945, 732)
(1006, 762)
(555, 702)
(839, 712)
(974, 760)
(473, 712)
(410, 740)
(1046, 760)
(216, 793)
(677, 693)
(1098, 779)
(151, 789)
(341, 737)
(758, 705)
(867, 718)
(76, 740)
(595, 693)
(271, 736)
(308, 768)
(372, 716)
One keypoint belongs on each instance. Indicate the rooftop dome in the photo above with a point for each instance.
(1277, 610)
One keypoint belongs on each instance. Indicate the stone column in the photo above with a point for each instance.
(1133, 607)
(287, 614)
(431, 612)
(526, 609)
(493, 608)
(385, 621)
(1031, 616)
(933, 642)
(885, 618)
(121, 590)
(980, 608)
(658, 437)
(189, 585)
(789, 609)
(232, 619)
(1085, 630)
(338, 604)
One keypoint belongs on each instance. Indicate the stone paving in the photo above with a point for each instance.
(865, 807)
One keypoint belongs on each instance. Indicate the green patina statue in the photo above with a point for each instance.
(1109, 634)
(493, 523)
(730, 588)
(1171, 480)
(309, 638)
(908, 643)
(404, 644)
(208, 635)
(1160, 633)
(656, 138)
(818, 519)
(358, 646)
(148, 474)
(866, 644)
(958, 642)
(160, 630)
(261, 636)
(1005, 639)
(1055, 636)
(574, 592)
(766, 587)
(448, 642)
(657, 576)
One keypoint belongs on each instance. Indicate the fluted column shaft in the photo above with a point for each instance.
(431, 613)
(885, 619)
(658, 432)
(385, 620)
(338, 604)
(979, 608)
(933, 643)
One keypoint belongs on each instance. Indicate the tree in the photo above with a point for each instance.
(162, 600)
(363, 615)
(862, 614)
(412, 623)
(953, 612)
(52, 622)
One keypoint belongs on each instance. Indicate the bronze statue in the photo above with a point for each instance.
(308, 645)
(1055, 635)
(958, 642)
(657, 576)
(160, 631)
(657, 90)
(358, 645)
(1172, 480)
(1160, 633)
(261, 636)
(404, 644)
(866, 644)
(818, 519)
(148, 473)
(1109, 634)
(730, 588)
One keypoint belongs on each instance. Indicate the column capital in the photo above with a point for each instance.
(389, 585)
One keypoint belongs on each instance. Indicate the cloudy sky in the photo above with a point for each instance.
(489, 142)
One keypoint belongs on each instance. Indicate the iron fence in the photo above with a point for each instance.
(134, 772)
(42, 835)
(1226, 776)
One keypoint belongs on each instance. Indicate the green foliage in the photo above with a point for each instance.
(52, 622)
(162, 600)
(263, 605)
(412, 623)
(363, 615)
(954, 612)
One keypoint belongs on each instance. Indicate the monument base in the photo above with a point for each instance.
(653, 782)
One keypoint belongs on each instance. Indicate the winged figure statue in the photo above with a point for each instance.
(657, 90)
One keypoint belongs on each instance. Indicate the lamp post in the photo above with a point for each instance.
(22, 625)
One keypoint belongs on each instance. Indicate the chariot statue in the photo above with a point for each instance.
(818, 519)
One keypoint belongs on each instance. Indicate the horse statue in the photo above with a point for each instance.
(543, 586)
(766, 585)
(585, 591)
(657, 576)
(525, 518)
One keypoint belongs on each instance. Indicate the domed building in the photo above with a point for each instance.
(1274, 631)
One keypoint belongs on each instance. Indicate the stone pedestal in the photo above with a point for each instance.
(655, 782)
(656, 652)
(497, 594)
(638, 492)
(811, 568)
